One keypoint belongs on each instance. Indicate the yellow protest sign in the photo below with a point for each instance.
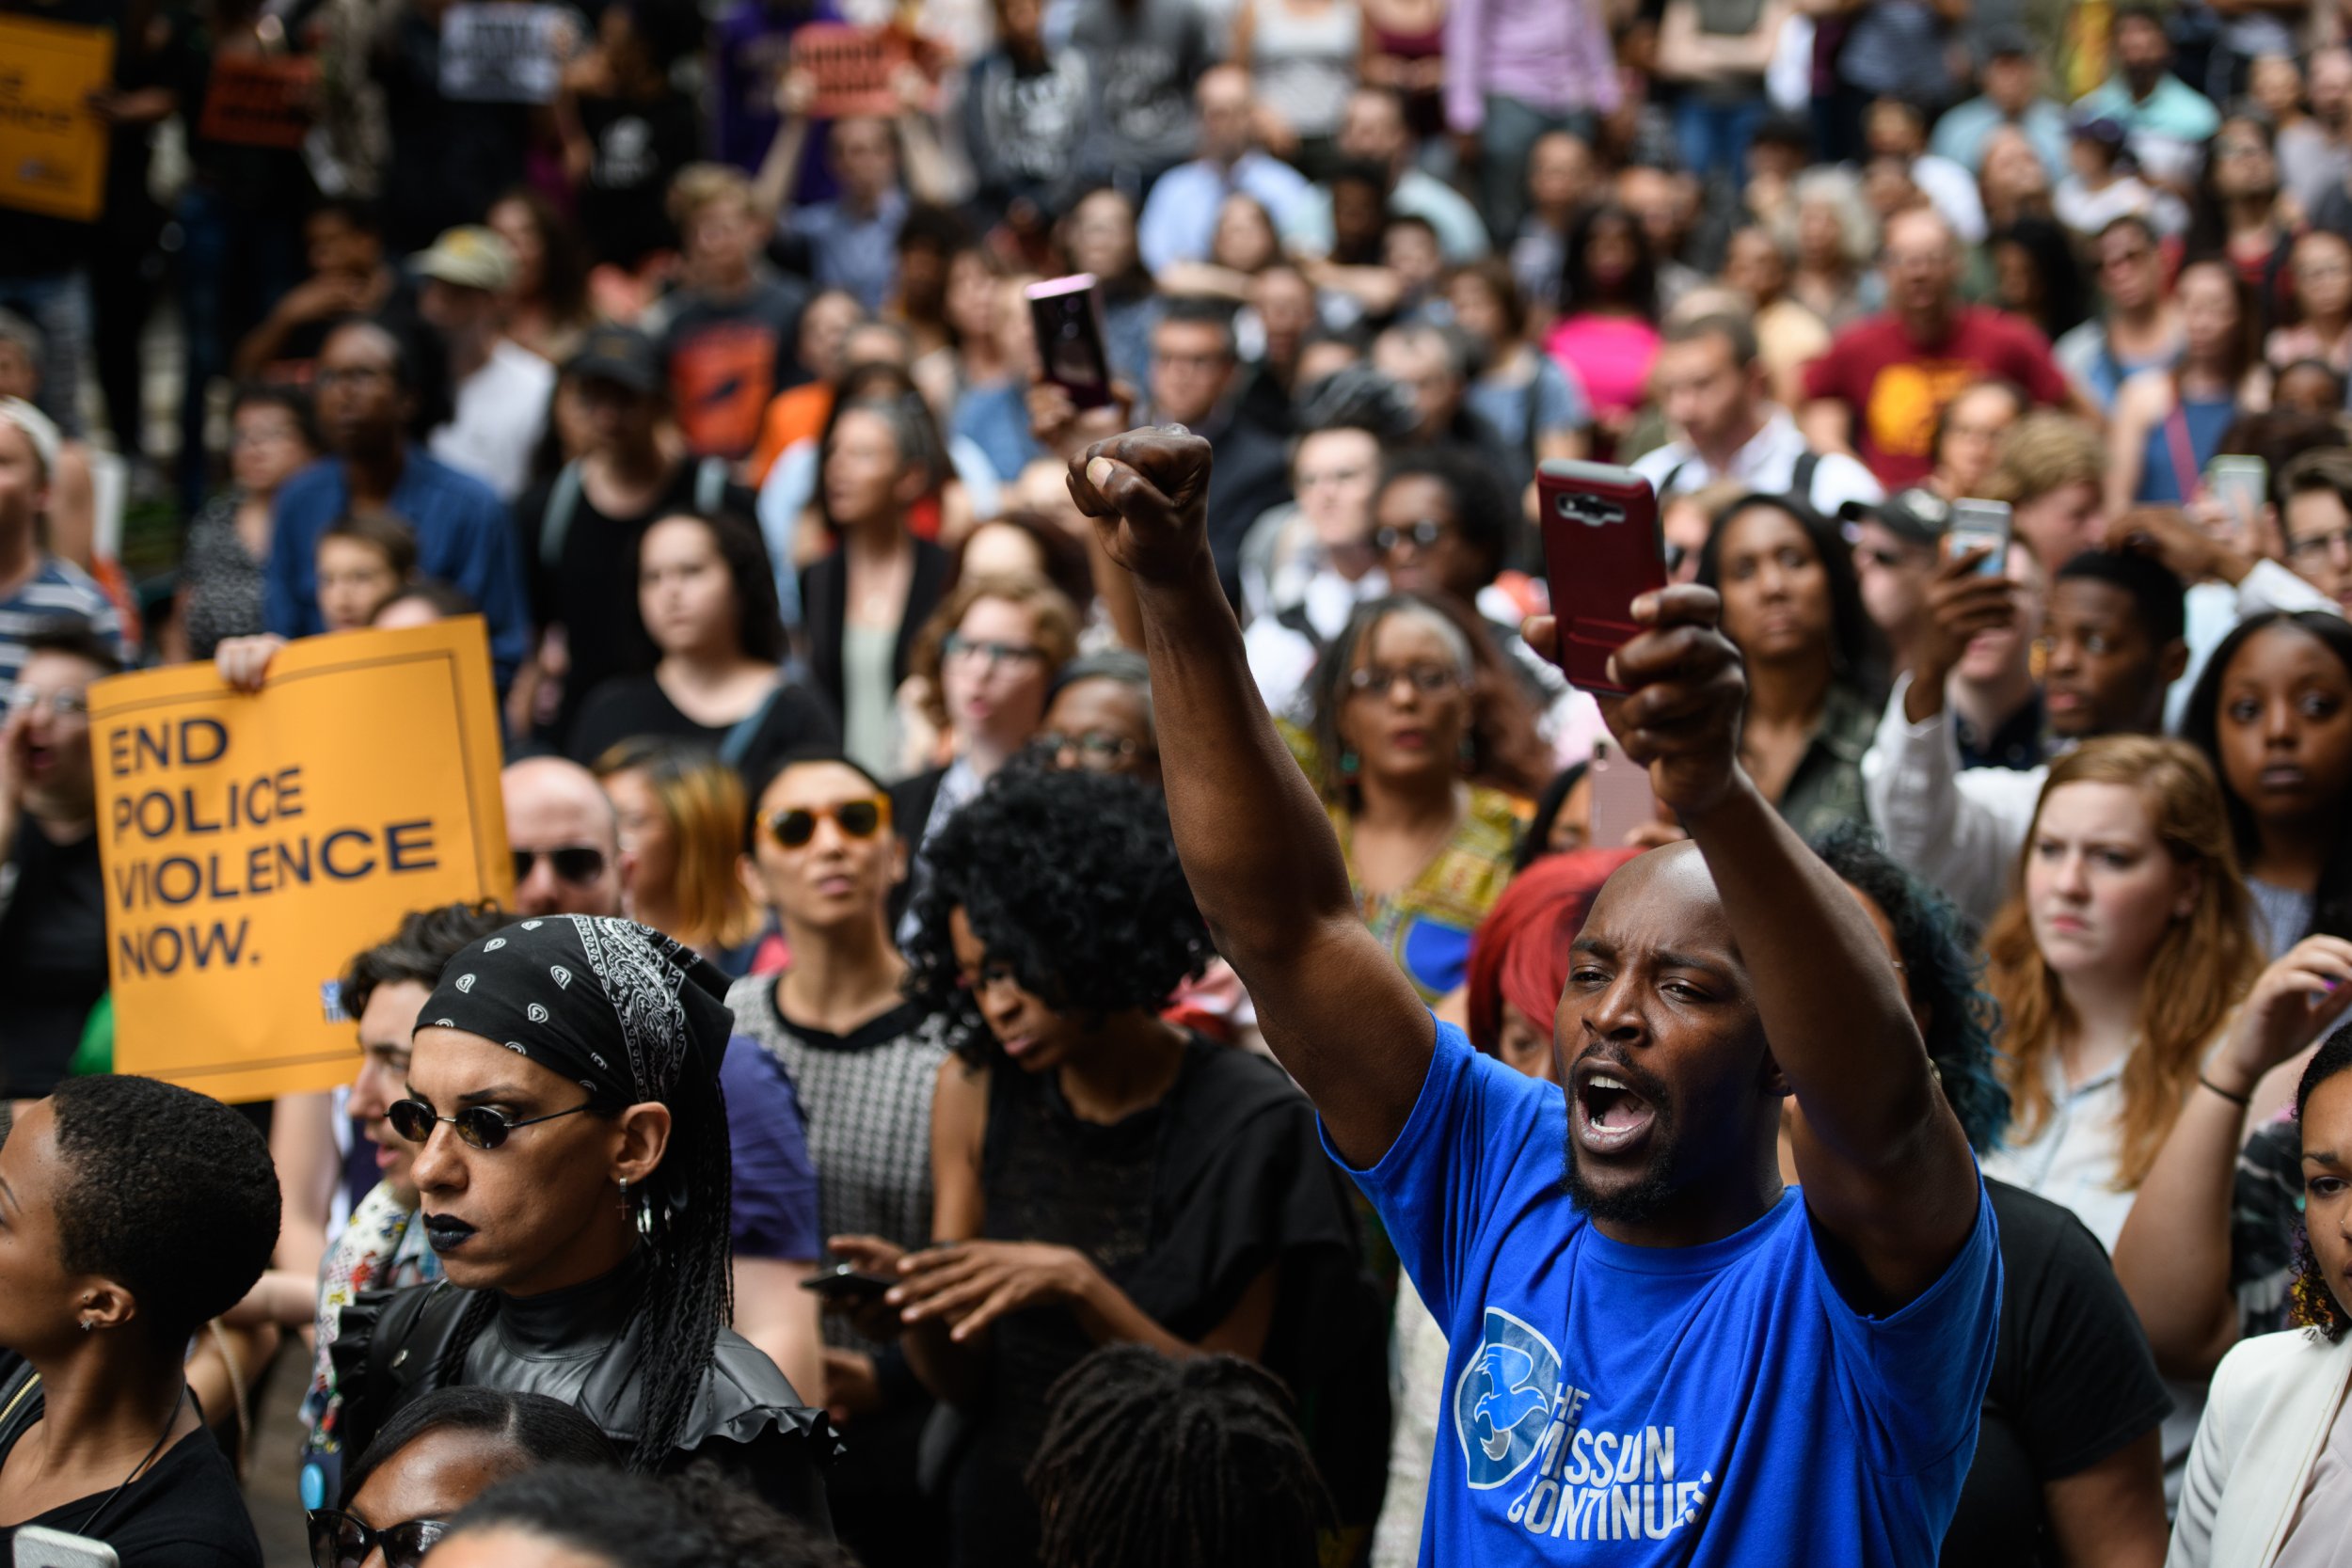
(253, 842)
(52, 149)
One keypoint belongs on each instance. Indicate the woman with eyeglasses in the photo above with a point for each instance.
(1394, 746)
(986, 660)
(132, 1213)
(863, 1059)
(680, 811)
(575, 1162)
(1102, 1175)
(434, 1458)
(2138, 327)
(708, 601)
(1098, 716)
(1794, 610)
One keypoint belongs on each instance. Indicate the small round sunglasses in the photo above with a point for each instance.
(483, 1127)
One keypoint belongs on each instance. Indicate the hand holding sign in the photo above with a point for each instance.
(252, 842)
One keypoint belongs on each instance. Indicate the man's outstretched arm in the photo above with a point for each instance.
(1886, 1169)
(1255, 843)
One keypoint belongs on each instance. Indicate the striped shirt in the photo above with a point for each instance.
(59, 591)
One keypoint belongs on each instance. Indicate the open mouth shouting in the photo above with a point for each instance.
(1610, 1111)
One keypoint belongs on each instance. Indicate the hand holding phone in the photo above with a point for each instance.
(846, 1283)
(1066, 314)
(1979, 525)
(1602, 552)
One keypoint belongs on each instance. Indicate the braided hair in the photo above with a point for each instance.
(1152, 1463)
(681, 1284)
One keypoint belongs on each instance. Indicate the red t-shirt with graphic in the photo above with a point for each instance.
(1897, 387)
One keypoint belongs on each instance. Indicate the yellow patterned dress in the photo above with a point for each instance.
(1426, 925)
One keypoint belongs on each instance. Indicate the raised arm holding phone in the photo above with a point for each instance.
(1674, 1351)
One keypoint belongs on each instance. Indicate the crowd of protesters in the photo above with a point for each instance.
(1098, 999)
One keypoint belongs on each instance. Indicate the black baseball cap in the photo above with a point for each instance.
(1917, 516)
(619, 354)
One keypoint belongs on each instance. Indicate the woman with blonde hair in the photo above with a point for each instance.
(2115, 963)
(681, 819)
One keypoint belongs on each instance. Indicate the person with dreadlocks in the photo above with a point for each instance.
(2269, 1477)
(1154, 1461)
(1100, 1175)
(573, 1164)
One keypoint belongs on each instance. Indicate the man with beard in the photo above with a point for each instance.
(1667, 1350)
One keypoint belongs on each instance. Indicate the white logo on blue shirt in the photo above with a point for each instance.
(1514, 1408)
(1503, 1401)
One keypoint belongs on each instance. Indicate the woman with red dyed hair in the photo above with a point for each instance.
(1518, 961)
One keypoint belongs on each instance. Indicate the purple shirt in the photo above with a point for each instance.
(753, 44)
(1550, 54)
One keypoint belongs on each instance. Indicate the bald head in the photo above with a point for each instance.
(1670, 1087)
(1223, 97)
(559, 817)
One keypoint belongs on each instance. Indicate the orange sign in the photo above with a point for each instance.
(259, 100)
(852, 67)
(52, 149)
(253, 842)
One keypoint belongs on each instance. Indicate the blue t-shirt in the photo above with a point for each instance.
(1713, 1405)
(463, 537)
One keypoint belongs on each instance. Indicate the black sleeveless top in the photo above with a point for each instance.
(1182, 1206)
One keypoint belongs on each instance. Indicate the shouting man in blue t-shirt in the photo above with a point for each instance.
(1658, 1353)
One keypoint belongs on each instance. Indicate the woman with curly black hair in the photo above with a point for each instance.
(1100, 1175)
(2267, 1480)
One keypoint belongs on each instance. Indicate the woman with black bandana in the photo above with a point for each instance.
(574, 1163)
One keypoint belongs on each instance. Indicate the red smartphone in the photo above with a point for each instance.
(1066, 316)
(1602, 552)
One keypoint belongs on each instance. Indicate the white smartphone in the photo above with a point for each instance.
(38, 1546)
(1979, 525)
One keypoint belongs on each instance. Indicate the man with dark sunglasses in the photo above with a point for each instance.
(565, 837)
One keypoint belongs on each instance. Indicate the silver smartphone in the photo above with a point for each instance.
(38, 1546)
(2241, 485)
(1979, 525)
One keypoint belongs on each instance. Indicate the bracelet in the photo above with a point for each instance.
(2240, 1100)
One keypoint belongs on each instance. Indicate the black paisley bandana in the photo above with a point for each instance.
(619, 1008)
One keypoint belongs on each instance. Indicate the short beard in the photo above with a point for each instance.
(1633, 1205)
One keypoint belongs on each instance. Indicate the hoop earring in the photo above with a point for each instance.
(639, 1209)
